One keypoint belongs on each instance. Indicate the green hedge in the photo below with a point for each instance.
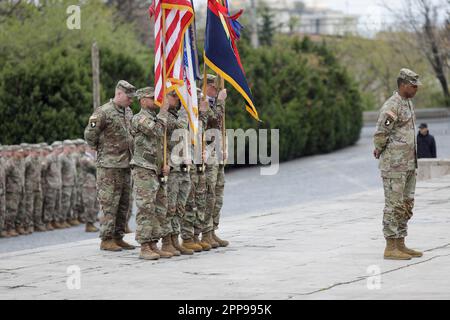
(300, 89)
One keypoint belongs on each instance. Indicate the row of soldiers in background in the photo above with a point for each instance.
(47, 187)
(188, 203)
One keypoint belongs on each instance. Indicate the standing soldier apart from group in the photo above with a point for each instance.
(396, 147)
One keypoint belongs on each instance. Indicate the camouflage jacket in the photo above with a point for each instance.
(52, 172)
(76, 156)
(88, 171)
(108, 132)
(148, 130)
(44, 164)
(13, 176)
(395, 135)
(215, 118)
(68, 170)
(32, 174)
(176, 120)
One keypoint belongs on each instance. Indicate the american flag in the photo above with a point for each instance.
(172, 19)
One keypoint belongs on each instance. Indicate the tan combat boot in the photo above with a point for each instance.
(4, 234)
(124, 245)
(65, 225)
(21, 231)
(41, 228)
(392, 253)
(400, 244)
(147, 253)
(168, 246)
(205, 246)
(162, 253)
(57, 225)
(181, 247)
(12, 233)
(91, 228)
(49, 226)
(191, 245)
(73, 222)
(222, 243)
(109, 245)
(208, 238)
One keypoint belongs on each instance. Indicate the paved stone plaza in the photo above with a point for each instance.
(319, 250)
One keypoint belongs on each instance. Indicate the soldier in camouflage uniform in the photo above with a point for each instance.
(192, 223)
(3, 232)
(33, 191)
(13, 187)
(52, 183)
(78, 213)
(215, 168)
(87, 185)
(148, 129)
(21, 218)
(45, 150)
(396, 147)
(68, 176)
(108, 132)
(179, 183)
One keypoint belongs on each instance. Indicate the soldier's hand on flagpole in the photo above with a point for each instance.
(376, 154)
(203, 106)
(166, 170)
(165, 106)
(222, 94)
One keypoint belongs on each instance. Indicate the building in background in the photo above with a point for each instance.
(294, 16)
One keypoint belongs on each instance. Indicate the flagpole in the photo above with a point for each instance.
(164, 76)
(221, 87)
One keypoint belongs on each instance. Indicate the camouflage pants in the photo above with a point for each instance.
(51, 199)
(399, 189)
(12, 207)
(148, 222)
(33, 208)
(215, 184)
(2, 211)
(78, 208)
(21, 218)
(114, 188)
(161, 210)
(130, 211)
(178, 188)
(88, 198)
(193, 221)
(67, 202)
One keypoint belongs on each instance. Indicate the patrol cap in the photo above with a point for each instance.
(68, 143)
(410, 76)
(43, 144)
(25, 146)
(172, 93)
(35, 147)
(48, 148)
(211, 79)
(79, 142)
(147, 92)
(57, 144)
(126, 87)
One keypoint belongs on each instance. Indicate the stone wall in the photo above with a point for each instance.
(433, 168)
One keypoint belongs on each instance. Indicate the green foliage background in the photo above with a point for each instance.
(46, 82)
